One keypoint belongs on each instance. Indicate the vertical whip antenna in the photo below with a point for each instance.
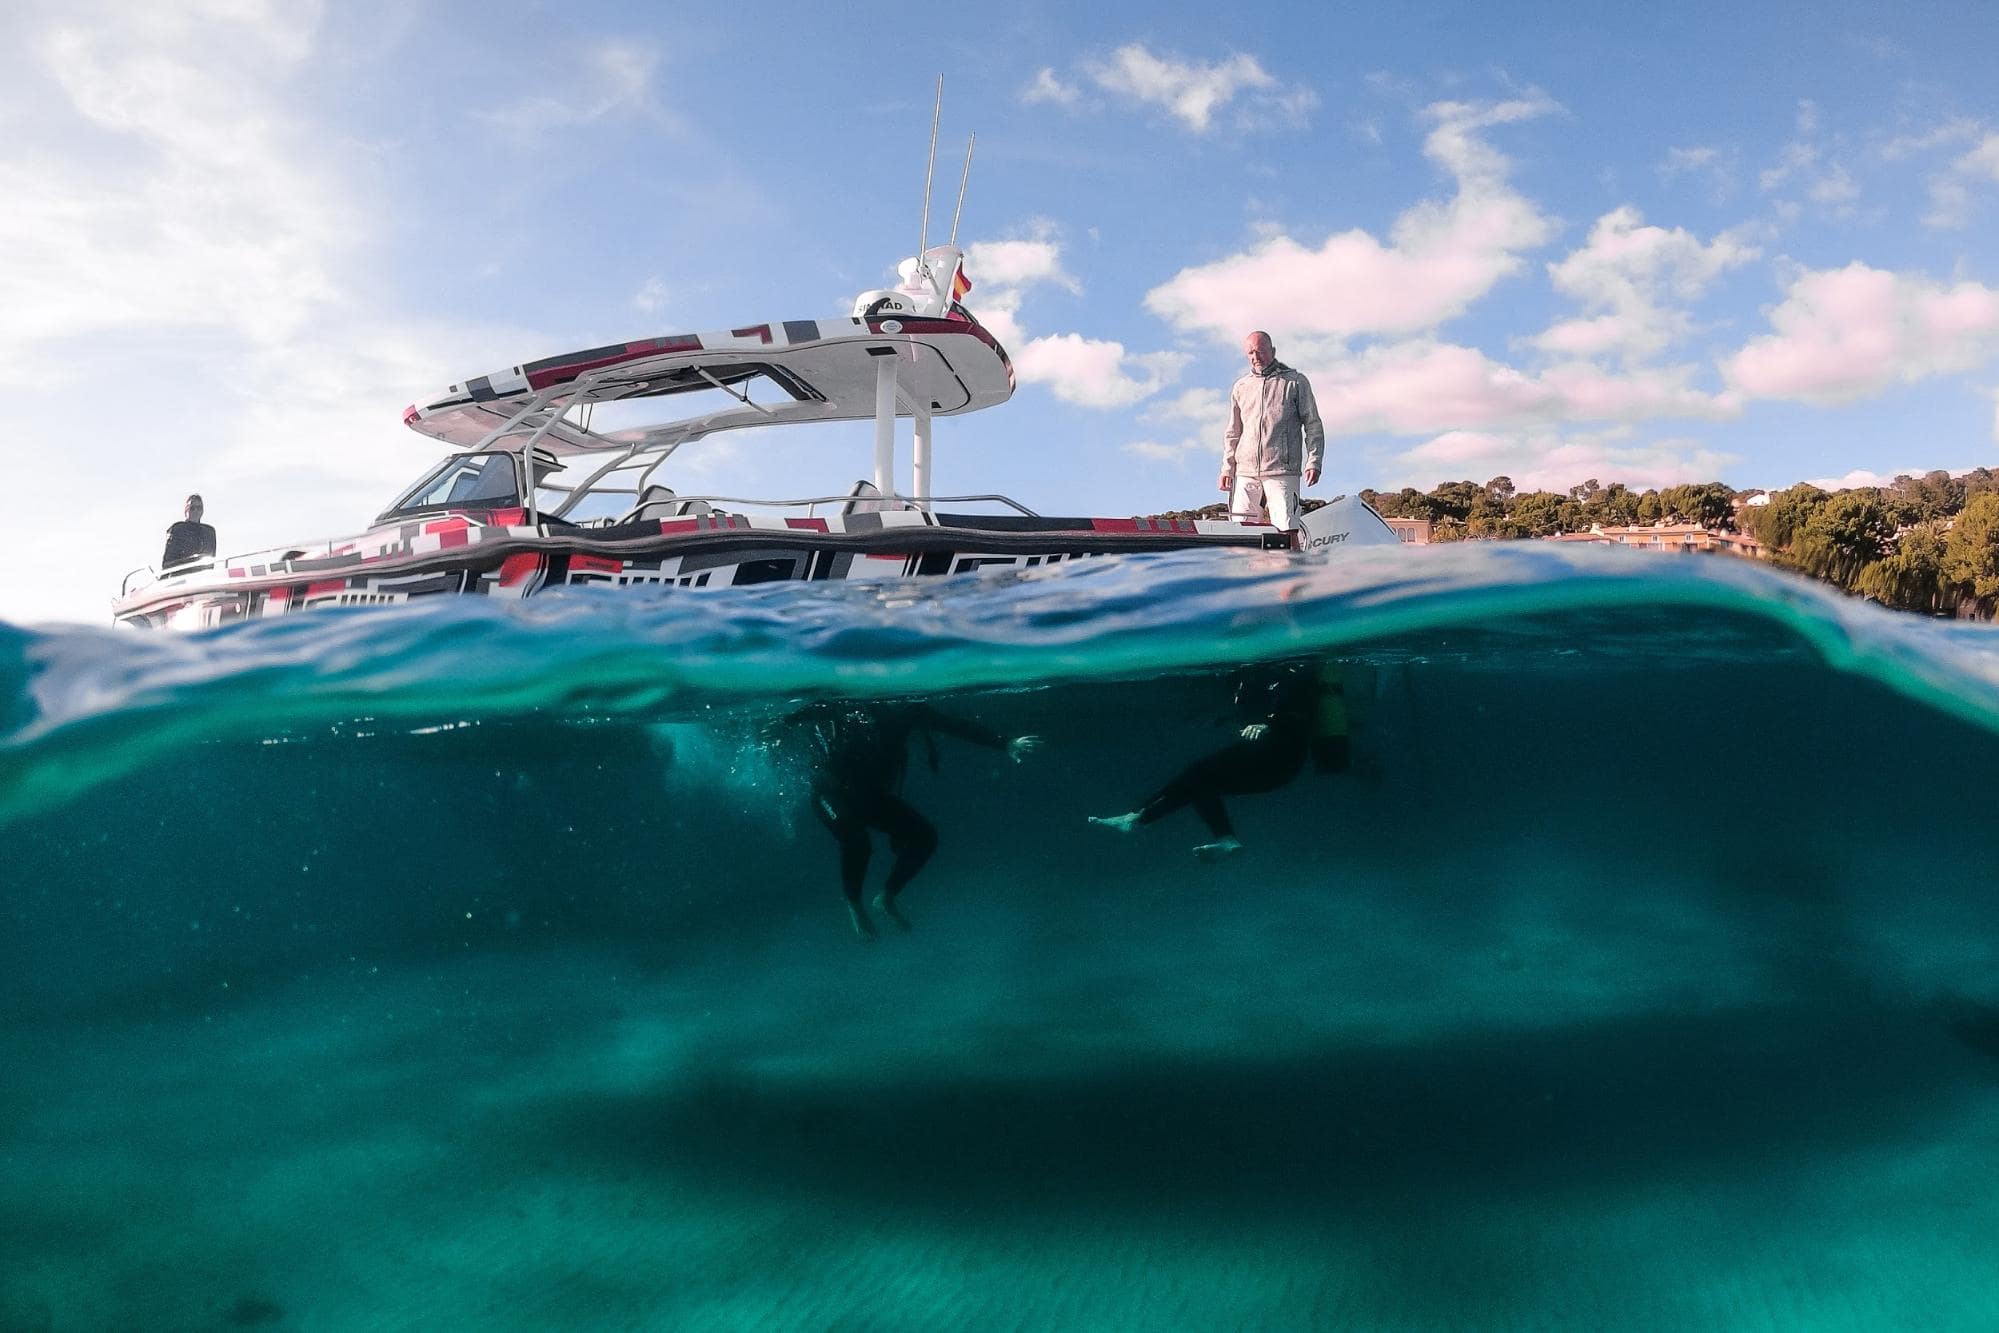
(929, 171)
(962, 180)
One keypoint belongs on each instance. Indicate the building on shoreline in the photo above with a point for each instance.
(1668, 537)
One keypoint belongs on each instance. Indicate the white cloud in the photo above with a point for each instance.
(1191, 92)
(1836, 186)
(1699, 158)
(1089, 372)
(1701, 162)
(1629, 271)
(1205, 407)
(214, 212)
(176, 197)
(1019, 263)
(650, 298)
(1425, 386)
(1202, 413)
(1842, 334)
(1950, 192)
(1853, 480)
(1094, 372)
(618, 78)
(1551, 460)
(1805, 164)
(1441, 256)
(1176, 452)
(1956, 130)
(1796, 159)
(1048, 88)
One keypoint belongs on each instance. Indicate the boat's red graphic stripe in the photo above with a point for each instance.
(519, 568)
(808, 524)
(595, 564)
(761, 332)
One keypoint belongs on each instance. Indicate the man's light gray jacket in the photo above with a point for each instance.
(1274, 426)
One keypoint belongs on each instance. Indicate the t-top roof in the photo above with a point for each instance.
(821, 370)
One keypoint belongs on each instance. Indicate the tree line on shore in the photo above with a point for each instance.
(1928, 543)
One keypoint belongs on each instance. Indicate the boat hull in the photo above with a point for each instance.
(460, 555)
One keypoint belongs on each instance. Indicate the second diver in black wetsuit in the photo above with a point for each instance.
(1286, 712)
(859, 753)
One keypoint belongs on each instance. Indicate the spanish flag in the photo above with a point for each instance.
(960, 284)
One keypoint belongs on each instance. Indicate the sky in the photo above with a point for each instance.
(1655, 244)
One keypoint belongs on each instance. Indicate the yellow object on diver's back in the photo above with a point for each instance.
(1331, 719)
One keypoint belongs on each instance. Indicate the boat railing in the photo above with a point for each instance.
(873, 503)
(152, 574)
(279, 559)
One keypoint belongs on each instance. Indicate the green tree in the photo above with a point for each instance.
(1539, 513)
(1650, 507)
(1921, 499)
(1971, 551)
(1850, 531)
(1406, 503)
(1777, 523)
(1614, 505)
(1708, 503)
(1454, 498)
(1911, 577)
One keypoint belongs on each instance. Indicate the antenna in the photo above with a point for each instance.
(930, 170)
(962, 180)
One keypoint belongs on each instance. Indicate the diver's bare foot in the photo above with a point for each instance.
(1122, 823)
(886, 906)
(1216, 850)
(862, 926)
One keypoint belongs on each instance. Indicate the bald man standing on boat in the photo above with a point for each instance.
(1275, 438)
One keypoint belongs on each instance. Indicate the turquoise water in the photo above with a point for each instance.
(483, 965)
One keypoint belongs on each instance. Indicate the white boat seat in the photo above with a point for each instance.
(661, 502)
(866, 498)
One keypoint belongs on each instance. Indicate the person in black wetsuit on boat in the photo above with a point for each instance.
(1286, 712)
(190, 539)
(859, 754)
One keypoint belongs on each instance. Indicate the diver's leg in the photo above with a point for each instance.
(1244, 769)
(1161, 803)
(1196, 786)
(835, 811)
(1208, 805)
(1238, 769)
(1234, 770)
(914, 840)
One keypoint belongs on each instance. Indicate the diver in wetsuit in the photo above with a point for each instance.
(1286, 711)
(859, 753)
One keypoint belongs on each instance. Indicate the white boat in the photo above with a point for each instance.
(538, 499)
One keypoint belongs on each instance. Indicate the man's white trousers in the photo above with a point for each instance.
(1272, 500)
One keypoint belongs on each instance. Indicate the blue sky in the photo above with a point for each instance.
(1655, 244)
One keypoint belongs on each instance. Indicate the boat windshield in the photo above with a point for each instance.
(466, 480)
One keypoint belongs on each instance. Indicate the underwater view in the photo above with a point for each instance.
(1588, 940)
